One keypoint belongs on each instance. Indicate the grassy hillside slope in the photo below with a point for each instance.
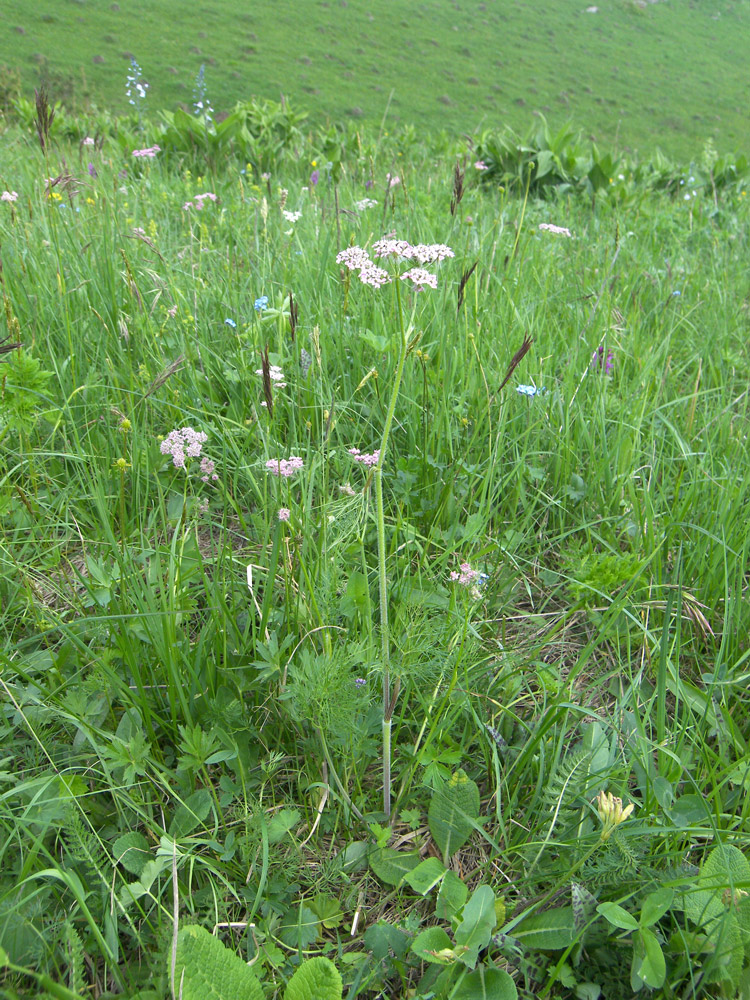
(670, 74)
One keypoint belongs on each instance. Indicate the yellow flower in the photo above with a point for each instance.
(90, 201)
(121, 465)
(611, 812)
(315, 163)
(125, 425)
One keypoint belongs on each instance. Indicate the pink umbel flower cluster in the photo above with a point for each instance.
(420, 278)
(372, 459)
(357, 259)
(199, 200)
(467, 576)
(275, 374)
(183, 444)
(284, 513)
(88, 141)
(285, 467)
(148, 153)
(547, 227)
(9, 196)
(207, 468)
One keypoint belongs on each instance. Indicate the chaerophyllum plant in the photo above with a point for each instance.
(405, 262)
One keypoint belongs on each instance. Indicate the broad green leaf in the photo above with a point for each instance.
(425, 876)
(653, 968)
(131, 850)
(655, 905)
(191, 814)
(206, 970)
(434, 945)
(391, 865)
(451, 897)
(486, 984)
(316, 979)
(618, 916)
(478, 923)
(454, 809)
(552, 930)
(281, 823)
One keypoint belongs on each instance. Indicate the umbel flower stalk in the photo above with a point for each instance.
(356, 259)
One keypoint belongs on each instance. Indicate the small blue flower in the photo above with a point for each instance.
(530, 390)
(230, 322)
(676, 292)
(261, 303)
(483, 579)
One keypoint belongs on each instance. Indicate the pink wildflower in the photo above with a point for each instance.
(393, 181)
(371, 274)
(428, 253)
(9, 196)
(481, 165)
(182, 444)
(207, 468)
(88, 141)
(420, 278)
(172, 312)
(467, 576)
(284, 513)
(353, 257)
(285, 466)
(395, 248)
(372, 459)
(148, 153)
(557, 230)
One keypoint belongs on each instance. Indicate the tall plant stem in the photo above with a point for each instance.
(389, 699)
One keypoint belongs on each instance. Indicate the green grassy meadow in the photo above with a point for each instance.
(668, 74)
(373, 614)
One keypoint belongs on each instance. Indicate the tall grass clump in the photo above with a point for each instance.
(372, 575)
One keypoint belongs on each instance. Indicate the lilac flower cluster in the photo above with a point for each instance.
(467, 576)
(207, 468)
(183, 444)
(598, 360)
(284, 513)
(372, 459)
(285, 466)
(420, 278)
(9, 196)
(356, 259)
(148, 153)
(199, 201)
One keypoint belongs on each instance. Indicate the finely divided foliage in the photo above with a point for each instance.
(381, 641)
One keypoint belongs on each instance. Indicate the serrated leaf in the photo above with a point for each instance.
(131, 850)
(486, 984)
(281, 823)
(425, 876)
(206, 970)
(454, 810)
(316, 979)
(391, 865)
